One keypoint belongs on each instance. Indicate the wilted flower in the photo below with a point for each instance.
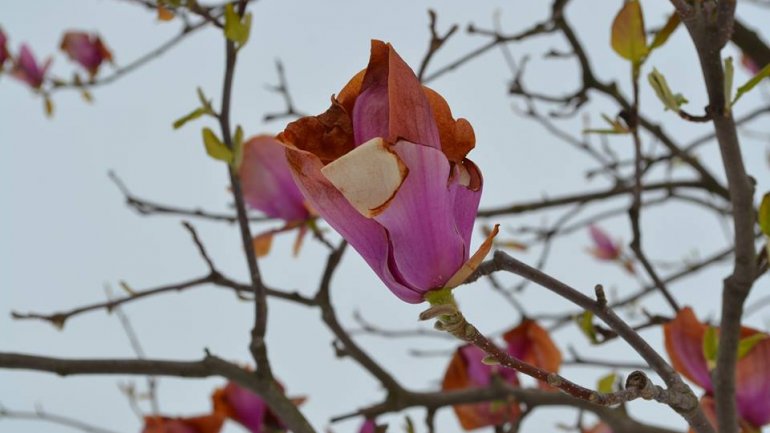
(467, 371)
(532, 344)
(684, 338)
(385, 166)
(247, 409)
(3, 48)
(86, 49)
(201, 424)
(26, 68)
(606, 249)
(269, 187)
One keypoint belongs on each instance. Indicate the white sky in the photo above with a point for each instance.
(65, 231)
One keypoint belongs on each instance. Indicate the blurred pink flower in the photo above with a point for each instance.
(247, 409)
(749, 64)
(26, 68)
(606, 249)
(385, 166)
(684, 337)
(86, 49)
(467, 371)
(369, 426)
(3, 48)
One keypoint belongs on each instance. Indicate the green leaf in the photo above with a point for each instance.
(746, 344)
(237, 29)
(237, 147)
(586, 323)
(659, 84)
(215, 148)
(628, 38)
(198, 112)
(762, 74)
(663, 34)
(409, 425)
(617, 127)
(763, 216)
(729, 72)
(710, 347)
(606, 384)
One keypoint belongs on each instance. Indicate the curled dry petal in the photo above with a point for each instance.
(267, 182)
(385, 166)
(200, 424)
(466, 370)
(531, 343)
(86, 49)
(26, 68)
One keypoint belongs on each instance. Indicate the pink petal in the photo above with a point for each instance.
(465, 188)
(26, 68)
(392, 103)
(605, 248)
(3, 48)
(753, 385)
(427, 248)
(85, 49)
(267, 183)
(684, 344)
(369, 426)
(365, 235)
(242, 405)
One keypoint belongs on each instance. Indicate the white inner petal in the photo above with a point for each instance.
(368, 176)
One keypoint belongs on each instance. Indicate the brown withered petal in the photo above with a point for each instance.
(327, 136)
(457, 136)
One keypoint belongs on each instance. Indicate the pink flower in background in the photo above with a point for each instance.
(26, 68)
(268, 186)
(3, 48)
(606, 249)
(247, 409)
(385, 166)
(684, 338)
(200, 424)
(749, 64)
(369, 426)
(467, 371)
(267, 182)
(531, 343)
(86, 49)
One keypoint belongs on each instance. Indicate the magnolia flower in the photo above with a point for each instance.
(26, 68)
(86, 49)
(467, 371)
(247, 409)
(3, 48)
(608, 250)
(385, 166)
(200, 424)
(369, 426)
(268, 187)
(530, 343)
(684, 338)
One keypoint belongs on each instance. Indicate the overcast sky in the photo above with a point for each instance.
(65, 231)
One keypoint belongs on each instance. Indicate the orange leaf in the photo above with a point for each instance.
(164, 14)
(262, 243)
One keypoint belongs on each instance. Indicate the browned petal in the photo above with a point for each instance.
(533, 345)
(349, 93)
(327, 136)
(457, 137)
(684, 344)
